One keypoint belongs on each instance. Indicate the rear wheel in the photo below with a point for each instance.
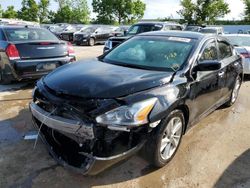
(91, 42)
(164, 144)
(5, 80)
(235, 92)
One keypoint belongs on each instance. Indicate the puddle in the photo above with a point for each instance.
(8, 133)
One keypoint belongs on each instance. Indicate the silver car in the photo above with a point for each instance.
(242, 46)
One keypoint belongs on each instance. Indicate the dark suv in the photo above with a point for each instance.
(30, 53)
(141, 28)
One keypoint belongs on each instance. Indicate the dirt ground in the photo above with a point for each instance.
(214, 153)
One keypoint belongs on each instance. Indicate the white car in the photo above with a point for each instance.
(212, 30)
(241, 42)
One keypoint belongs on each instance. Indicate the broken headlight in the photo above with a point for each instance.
(135, 114)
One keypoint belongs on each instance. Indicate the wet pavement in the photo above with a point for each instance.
(214, 153)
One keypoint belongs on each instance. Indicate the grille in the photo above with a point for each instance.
(66, 106)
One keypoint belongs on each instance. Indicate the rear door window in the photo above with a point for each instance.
(210, 52)
(225, 50)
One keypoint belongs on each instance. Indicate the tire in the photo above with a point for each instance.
(91, 42)
(235, 92)
(159, 155)
(4, 80)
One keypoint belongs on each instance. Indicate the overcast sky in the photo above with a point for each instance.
(155, 8)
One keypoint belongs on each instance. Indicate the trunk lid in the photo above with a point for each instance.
(41, 49)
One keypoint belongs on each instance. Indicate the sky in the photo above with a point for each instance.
(155, 8)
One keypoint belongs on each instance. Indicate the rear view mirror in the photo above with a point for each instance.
(210, 65)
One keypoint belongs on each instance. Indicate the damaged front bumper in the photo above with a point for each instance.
(61, 134)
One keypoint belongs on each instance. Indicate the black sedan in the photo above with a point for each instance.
(92, 35)
(146, 92)
(30, 53)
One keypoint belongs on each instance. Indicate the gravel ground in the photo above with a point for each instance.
(214, 153)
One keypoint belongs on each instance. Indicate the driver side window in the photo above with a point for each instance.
(209, 53)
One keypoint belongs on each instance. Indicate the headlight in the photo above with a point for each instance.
(135, 114)
(108, 44)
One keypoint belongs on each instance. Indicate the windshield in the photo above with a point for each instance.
(239, 40)
(136, 29)
(192, 28)
(208, 31)
(153, 53)
(27, 34)
(56, 29)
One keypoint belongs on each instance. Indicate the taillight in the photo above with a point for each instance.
(12, 52)
(71, 50)
(245, 55)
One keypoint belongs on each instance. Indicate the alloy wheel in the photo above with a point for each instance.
(171, 138)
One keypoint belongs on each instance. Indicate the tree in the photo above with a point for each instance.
(72, 11)
(29, 11)
(111, 11)
(43, 12)
(203, 11)
(1, 11)
(64, 15)
(188, 10)
(63, 3)
(81, 11)
(10, 12)
(247, 10)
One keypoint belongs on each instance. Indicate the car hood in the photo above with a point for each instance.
(95, 79)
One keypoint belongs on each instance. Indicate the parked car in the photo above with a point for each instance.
(194, 28)
(120, 31)
(146, 92)
(56, 30)
(69, 34)
(29, 53)
(241, 42)
(92, 35)
(212, 30)
(140, 28)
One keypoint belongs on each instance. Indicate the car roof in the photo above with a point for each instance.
(16, 26)
(181, 34)
(215, 28)
(237, 35)
(155, 23)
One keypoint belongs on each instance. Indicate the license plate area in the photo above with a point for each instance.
(46, 66)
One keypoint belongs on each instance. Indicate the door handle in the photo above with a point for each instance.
(221, 73)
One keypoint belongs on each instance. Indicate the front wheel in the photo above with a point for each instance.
(235, 92)
(164, 144)
(91, 42)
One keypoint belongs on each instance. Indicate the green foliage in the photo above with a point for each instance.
(1, 11)
(64, 15)
(10, 12)
(72, 11)
(29, 11)
(188, 11)
(43, 13)
(247, 10)
(112, 11)
(203, 11)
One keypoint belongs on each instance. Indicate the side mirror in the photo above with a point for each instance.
(125, 32)
(208, 65)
